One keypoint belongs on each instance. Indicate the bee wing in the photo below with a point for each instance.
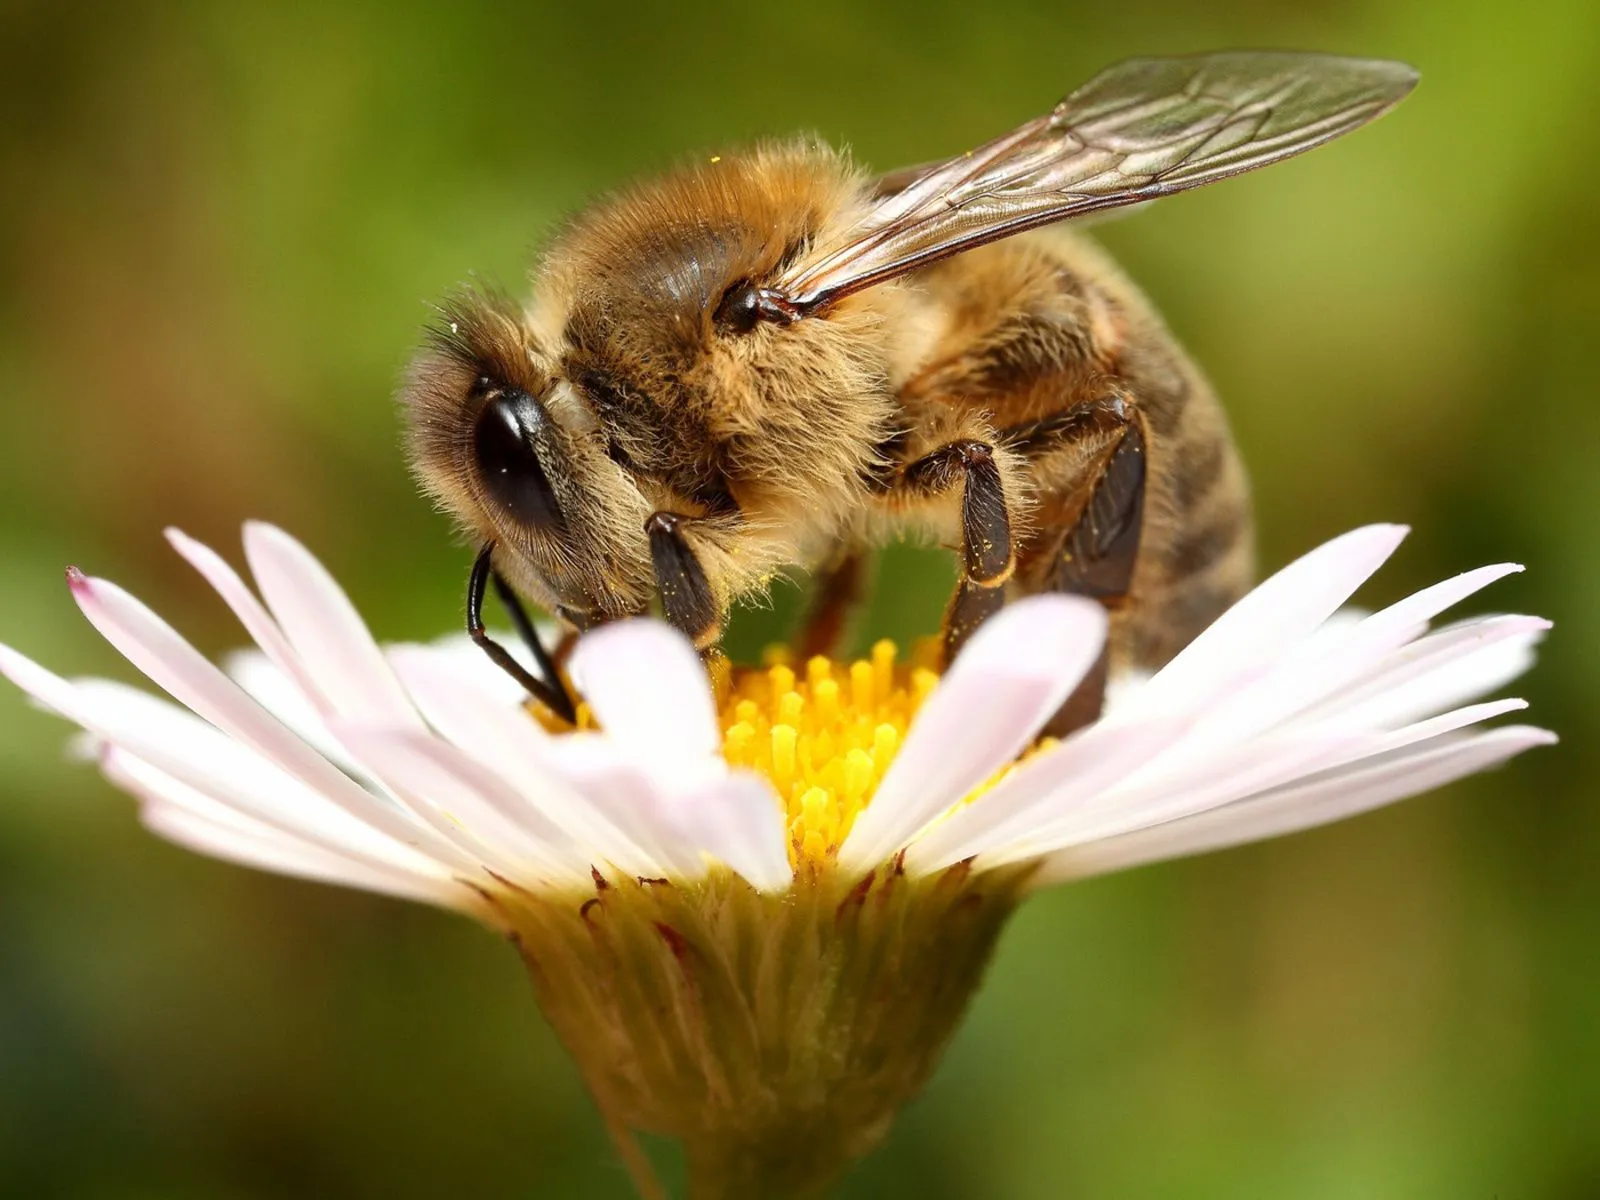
(1142, 129)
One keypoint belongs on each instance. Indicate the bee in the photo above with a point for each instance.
(772, 359)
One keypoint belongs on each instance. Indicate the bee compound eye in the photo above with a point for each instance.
(504, 443)
(740, 308)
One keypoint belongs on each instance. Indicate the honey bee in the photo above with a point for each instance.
(771, 358)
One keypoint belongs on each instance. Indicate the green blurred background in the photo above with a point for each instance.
(219, 228)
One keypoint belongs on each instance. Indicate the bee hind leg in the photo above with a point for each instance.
(988, 554)
(1098, 556)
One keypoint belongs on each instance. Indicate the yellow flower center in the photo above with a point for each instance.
(824, 736)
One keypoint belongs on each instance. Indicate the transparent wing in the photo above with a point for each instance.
(1142, 129)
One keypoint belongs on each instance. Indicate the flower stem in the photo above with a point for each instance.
(795, 1168)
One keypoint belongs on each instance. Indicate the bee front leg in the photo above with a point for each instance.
(687, 600)
(988, 555)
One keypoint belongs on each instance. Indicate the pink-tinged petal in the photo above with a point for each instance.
(1088, 763)
(648, 687)
(486, 676)
(501, 735)
(1012, 676)
(153, 646)
(493, 728)
(467, 802)
(1329, 798)
(198, 754)
(1273, 617)
(191, 819)
(269, 687)
(182, 746)
(257, 622)
(328, 635)
(737, 820)
(647, 843)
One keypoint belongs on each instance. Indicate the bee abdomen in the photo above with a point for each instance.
(1197, 552)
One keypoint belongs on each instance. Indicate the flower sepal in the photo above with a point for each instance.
(775, 1035)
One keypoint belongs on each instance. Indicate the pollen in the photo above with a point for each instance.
(824, 733)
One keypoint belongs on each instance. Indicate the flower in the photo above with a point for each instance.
(755, 907)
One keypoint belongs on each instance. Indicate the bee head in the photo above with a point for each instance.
(500, 441)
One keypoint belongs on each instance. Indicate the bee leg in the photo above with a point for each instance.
(553, 695)
(970, 607)
(1098, 556)
(988, 555)
(686, 597)
(839, 587)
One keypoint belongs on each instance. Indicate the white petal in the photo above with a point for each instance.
(328, 635)
(1240, 771)
(202, 756)
(186, 748)
(212, 764)
(626, 793)
(1011, 677)
(1069, 811)
(501, 735)
(188, 817)
(486, 675)
(1287, 607)
(467, 802)
(152, 645)
(1451, 665)
(1086, 764)
(649, 689)
(1297, 807)
(492, 727)
(255, 619)
(1421, 607)
(276, 692)
(1331, 661)
(737, 820)
(1421, 731)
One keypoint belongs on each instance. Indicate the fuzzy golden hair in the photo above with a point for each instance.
(782, 444)
(762, 438)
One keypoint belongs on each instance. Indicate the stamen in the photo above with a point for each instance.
(824, 739)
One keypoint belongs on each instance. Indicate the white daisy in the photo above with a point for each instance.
(755, 908)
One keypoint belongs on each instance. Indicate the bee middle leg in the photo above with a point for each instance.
(988, 554)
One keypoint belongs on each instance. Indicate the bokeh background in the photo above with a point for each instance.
(220, 226)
